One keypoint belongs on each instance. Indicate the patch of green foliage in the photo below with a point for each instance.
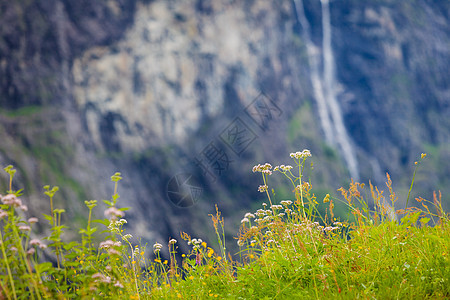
(22, 112)
(288, 249)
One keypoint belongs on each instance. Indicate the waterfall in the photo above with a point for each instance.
(324, 87)
(314, 64)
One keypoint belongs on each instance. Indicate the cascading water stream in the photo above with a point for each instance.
(324, 87)
(314, 61)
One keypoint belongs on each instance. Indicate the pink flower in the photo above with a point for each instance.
(11, 199)
(38, 243)
(3, 214)
(25, 228)
(33, 220)
(114, 213)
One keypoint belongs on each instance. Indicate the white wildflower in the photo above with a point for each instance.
(157, 247)
(285, 168)
(106, 244)
(245, 220)
(249, 216)
(304, 154)
(126, 237)
(262, 188)
(330, 228)
(263, 168)
(286, 202)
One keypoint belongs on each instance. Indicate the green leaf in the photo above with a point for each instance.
(47, 217)
(70, 245)
(91, 231)
(104, 222)
(43, 267)
(410, 219)
(424, 221)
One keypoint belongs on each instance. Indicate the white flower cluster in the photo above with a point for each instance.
(262, 188)
(260, 213)
(286, 202)
(299, 188)
(282, 168)
(266, 168)
(109, 246)
(126, 237)
(249, 215)
(157, 247)
(330, 228)
(172, 241)
(114, 225)
(304, 154)
(195, 243)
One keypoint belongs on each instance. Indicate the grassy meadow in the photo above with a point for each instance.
(288, 249)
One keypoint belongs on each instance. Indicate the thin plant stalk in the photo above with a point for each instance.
(422, 156)
(5, 258)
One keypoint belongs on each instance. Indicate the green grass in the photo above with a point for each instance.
(288, 250)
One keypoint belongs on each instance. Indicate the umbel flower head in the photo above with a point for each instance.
(266, 168)
(304, 154)
(114, 213)
(157, 247)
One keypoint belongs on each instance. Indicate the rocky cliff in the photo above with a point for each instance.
(197, 92)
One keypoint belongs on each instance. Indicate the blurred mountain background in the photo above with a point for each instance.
(185, 97)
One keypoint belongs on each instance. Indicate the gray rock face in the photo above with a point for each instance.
(166, 76)
(149, 87)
